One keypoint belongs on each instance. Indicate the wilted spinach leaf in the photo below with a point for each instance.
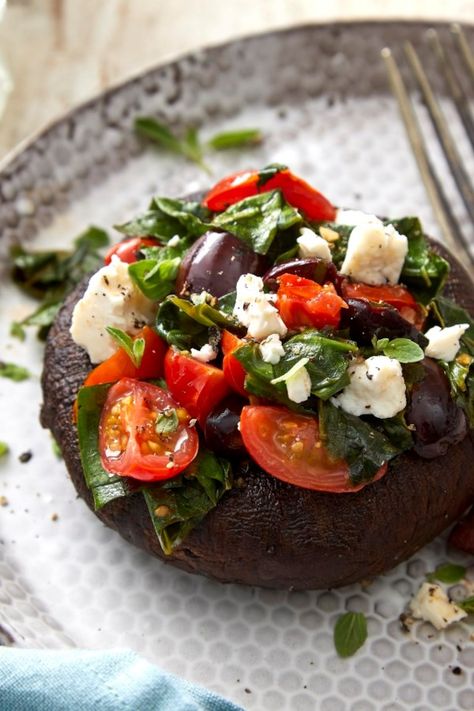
(167, 217)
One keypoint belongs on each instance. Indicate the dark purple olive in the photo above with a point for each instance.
(318, 270)
(438, 421)
(221, 429)
(364, 320)
(215, 262)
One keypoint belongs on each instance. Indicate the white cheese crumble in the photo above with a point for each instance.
(312, 245)
(356, 217)
(111, 299)
(297, 381)
(377, 388)
(444, 342)
(272, 349)
(174, 241)
(254, 309)
(375, 254)
(433, 605)
(204, 354)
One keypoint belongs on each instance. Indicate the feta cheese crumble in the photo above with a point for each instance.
(297, 381)
(377, 388)
(174, 241)
(312, 245)
(111, 299)
(254, 309)
(433, 605)
(375, 254)
(272, 349)
(204, 354)
(444, 342)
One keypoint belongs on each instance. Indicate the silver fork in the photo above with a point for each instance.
(453, 234)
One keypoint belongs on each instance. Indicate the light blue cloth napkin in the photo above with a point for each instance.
(78, 680)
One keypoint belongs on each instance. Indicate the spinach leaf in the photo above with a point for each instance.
(256, 220)
(327, 361)
(166, 218)
(50, 275)
(348, 437)
(397, 431)
(226, 303)
(460, 372)
(14, 372)
(156, 275)
(178, 329)
(424, 272)
(179, 504)
(204, 313)
(340, 245)
(104, 486)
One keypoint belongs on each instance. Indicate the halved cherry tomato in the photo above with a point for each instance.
(302, 303)
(127, 250)
(119, 364)
(296, 191)
(288, 446)
(196, 386)
(129, 442)
(395, 295)
(234, 371)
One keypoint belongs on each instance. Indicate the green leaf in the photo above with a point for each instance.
(350, 633)
(348, 437)
(450, 314)
(397, 431)
(291, 372)
(134, 348)
(204, 313)
(17, 330)
(179, 504)
(92, 239)
(4, 449)
(236, 139)
(104, 486)
(167, 422)
(156, 279)
(401, 349)
(166, 218)
(226, 303)
(448, 573)
(467, 605)
(256, 220)
(178, 329)
(14, 372)
(158, 132)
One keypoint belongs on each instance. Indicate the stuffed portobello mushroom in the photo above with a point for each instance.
(265, 389)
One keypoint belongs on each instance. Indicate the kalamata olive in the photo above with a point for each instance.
(215, 262)
(366, 320)
(318, 270)
(221, 429)
(438, 421)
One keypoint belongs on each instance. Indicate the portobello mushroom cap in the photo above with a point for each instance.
(266, 532)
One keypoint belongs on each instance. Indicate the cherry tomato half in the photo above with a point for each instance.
(296, 191)
(128, 249)
(302, 303)
(129, 442)
(397, 296)
(234, 371)
(196, 386)
(119, 364)
(287, 446)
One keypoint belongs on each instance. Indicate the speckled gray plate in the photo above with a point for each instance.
(320, 95)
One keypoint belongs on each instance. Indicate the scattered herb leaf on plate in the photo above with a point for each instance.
(350, 633)
(448, 573)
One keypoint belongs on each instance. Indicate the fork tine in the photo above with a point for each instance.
(464, 48)
(441, 207)
(441, 127)
(452, 81)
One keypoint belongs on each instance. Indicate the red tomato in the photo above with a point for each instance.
(119, 364)
(127, 250)
(196, 386)
(287, 446)
(234, 371)
(128, 441)
(397, 296)
(304, 303)
(296, 191)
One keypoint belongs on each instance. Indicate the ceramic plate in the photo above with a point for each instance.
(320, 95)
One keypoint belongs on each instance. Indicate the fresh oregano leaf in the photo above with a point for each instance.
(350, 633)
(167, 422)
(448, 573)
(14, 372)
(134, 348)
(235, 139)
(402, 349)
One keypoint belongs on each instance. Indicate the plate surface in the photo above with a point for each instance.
(320, 95)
